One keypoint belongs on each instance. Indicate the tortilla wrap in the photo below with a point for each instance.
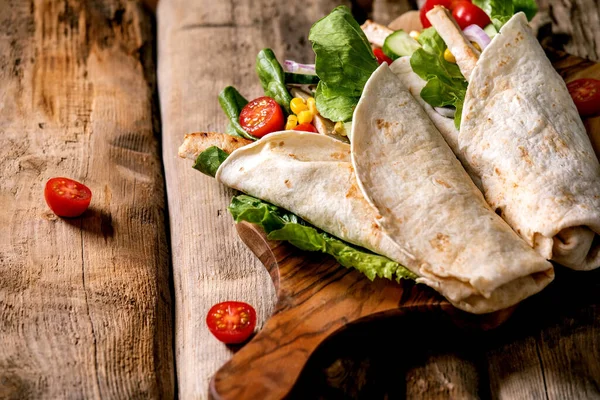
(312, 176)
(524, 144)
(413, 82)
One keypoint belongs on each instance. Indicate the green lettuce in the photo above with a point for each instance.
(344, 62)
(280, 224)
(232, 103)
(272, 78)
(500, 11)
(209, 161)
(446, 86)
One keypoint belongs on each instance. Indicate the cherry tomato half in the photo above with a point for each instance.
(66, 197)
(586, 95)
(306, 128)
(231, 321)
(428, 6)
(464, 12)
(381, 57)
(262, 116)
(467, 14)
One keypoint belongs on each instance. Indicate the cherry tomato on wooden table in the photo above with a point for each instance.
(464, 12)
(306, 128)
(66, 197)
(231, 322)
(262, 116)
(586, 95)
(381, 57)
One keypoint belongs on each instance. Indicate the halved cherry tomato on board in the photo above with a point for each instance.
(306, 128)
(586, 95)
(66, 197)
(381, 57)
(231, 321)
(464, 12)
(262, 116)
(467, 14)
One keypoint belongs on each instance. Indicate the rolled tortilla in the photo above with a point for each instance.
(523, 137)
(313, 177)
(431, 209)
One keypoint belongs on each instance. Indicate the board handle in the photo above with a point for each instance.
(316, 297)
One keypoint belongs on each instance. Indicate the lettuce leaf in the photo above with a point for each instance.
(232, 103)
(446, 85)
(280, 224)
(500, 11)
(336, 107)
(209, 161)
(344, 62)
(272, 78)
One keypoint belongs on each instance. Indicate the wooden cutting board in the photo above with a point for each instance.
(317, 298)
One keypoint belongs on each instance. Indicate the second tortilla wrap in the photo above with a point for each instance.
(524, 144)
(429, 206)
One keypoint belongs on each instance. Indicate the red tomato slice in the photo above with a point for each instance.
(306, 128)
(428, 6)
(66, 197)
(262, 116)
(381, 57)
(231, 321)
(467, 14)
(586, 95)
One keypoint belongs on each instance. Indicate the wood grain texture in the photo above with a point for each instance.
(85, 305)
(205, 46)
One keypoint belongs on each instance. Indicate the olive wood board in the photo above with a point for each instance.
(318, 300)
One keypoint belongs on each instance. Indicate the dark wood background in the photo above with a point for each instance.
(112, 305)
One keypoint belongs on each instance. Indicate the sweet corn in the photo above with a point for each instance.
(476, 46)
(339, 128)
(297, 105)
(291, 123)
(312, 105)
(449, 56)
(414, 34)
(305, 117)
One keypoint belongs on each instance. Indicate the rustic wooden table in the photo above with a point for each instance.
(112, 305)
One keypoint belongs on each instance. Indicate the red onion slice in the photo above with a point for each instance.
(475, 34)
(297, 68)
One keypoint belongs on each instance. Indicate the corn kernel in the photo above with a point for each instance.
(414, 34)
(449, 56)
(476, 46)
(292, 122)
(305, 117)
(297, 105)
(339, 128)
(312, 105)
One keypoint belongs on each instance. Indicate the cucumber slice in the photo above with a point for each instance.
(300, 79)
(490, 30)
(399, 44)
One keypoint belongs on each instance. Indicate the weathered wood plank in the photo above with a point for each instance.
(85, 308)
(203, 47)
